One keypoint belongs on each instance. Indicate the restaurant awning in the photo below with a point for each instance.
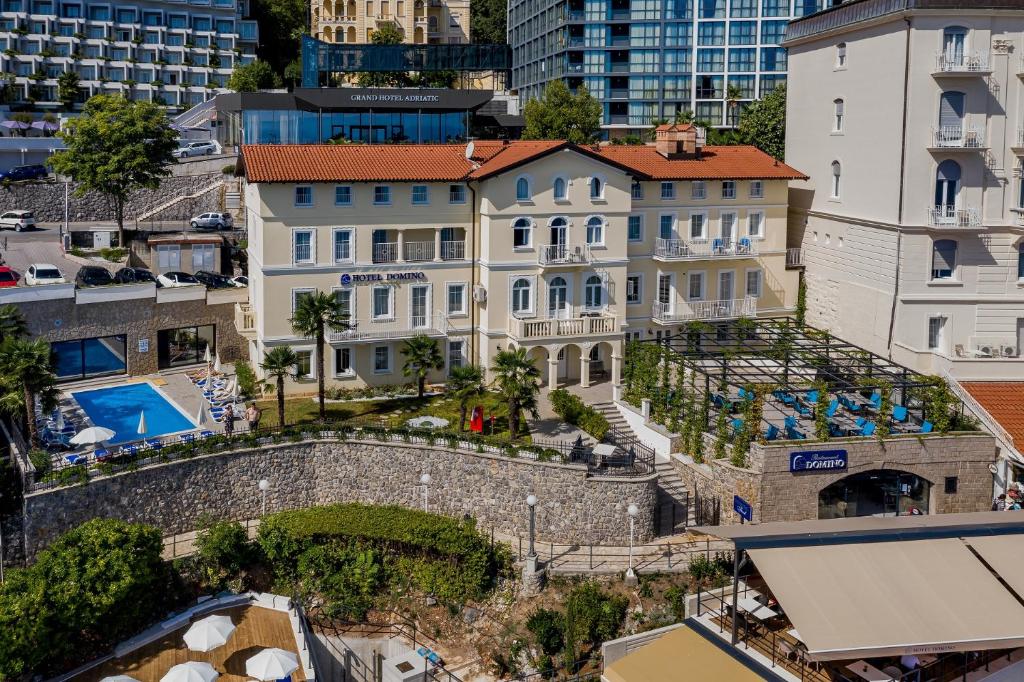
(1003, 554)
(875, 599)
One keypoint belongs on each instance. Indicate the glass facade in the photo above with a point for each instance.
(184, 346)
(883, 492)
(83, 358)
(310, 127)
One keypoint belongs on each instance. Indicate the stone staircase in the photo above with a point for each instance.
(673, 498)
(155, 213)
(233, 200)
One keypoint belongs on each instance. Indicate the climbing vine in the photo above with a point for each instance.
(677, 397)
(642, 372)
(741, 441)
(884, 410)
(821, 422)
(721, 425)
(938, 404)
(801, 302)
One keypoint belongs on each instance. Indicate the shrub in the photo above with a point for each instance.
(228, 169)
(40, 460)
(676, 598)
(548, 629)
(591, 616)
(572, 409)
(113, 254)
(224, 546)
(705, 570)
(345, 574)
(246, 378)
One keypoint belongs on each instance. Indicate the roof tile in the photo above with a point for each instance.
(1004, 401)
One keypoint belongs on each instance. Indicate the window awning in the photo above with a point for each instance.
(877, 599)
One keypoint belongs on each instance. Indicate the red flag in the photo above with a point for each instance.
(476, 421)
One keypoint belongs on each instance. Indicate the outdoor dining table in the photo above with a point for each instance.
(756, 609)
(866, 671)
(795, 635)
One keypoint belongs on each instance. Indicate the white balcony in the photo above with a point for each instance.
(433, 325)
(385, 252)
(962, 64)
(245, 320)
(681, 249)
(453, 250)
(561, 254)
(688, 311)
(953, 217)
(794, 258)
(580, 324)
(949, 138)
(419, 251)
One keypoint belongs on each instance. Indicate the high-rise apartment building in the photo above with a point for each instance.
(647, 60)
(174, 53)
(422, 22)
(908, 116)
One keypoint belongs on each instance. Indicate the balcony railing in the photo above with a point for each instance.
(966, 63)
(794, 258)
(950, 216)
(386, 252)
(560, 254)
(245, 319)
(418, 251)
(727, 309)
(958, 137)
(434, 325)
(680, 249)
(581, 324)
(453, 250)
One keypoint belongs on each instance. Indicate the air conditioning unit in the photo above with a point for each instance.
(480, 293)
(1008, 351)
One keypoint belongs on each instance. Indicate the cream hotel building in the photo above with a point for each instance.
(566, 250)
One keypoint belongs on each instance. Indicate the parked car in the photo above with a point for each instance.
(133, 275)
(213, 221)
(93, 276)
(240, 281)
(30, 172)
(204, 148)
(7, 277)
(43, 273)
(213, 280)
(176, 279)
(18, 220)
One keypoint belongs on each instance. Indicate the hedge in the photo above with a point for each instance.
(571, 408)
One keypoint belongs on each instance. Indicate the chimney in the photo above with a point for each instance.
(679, 140)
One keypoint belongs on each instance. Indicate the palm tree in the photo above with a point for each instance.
(26, 375)
(733, 95)
(278, 363)
(516, 379)
(421, 355)
(12, 323)
(312, 316)
(464, 384)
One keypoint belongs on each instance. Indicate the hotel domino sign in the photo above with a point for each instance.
(382, 278)
(817, 460)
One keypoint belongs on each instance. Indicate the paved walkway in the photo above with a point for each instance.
(549, 425)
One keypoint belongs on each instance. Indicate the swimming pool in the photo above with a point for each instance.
(118, 408)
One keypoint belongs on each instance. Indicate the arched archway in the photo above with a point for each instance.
(879, 492)
(417, 36)
(328, 34)
(350, 34)
(328, 13)
(539, 356)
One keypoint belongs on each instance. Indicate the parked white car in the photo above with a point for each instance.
(213, 221)
(204, 148)
(240, 281)
(176, 279)
(43, 273)
(17, 220)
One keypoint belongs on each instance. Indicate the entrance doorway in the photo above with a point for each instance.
(882, 492)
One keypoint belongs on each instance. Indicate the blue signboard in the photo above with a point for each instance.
(817, 460)
(742, 507)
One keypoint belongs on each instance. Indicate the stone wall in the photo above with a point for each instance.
(573, 507)
(46, 200)
(66, 320)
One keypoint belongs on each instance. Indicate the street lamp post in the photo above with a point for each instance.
(531, 502)
(632, 510)
(264, 487)
(425, 482)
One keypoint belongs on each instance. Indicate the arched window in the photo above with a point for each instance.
(947, 188)
(521, 231)
(596, 188)
(840, 55)
(522, 189)
(522, 296)
(595, 230)
(838, 107)
(837, 176)
(561, 189)
(593, 293)
(954, 47)
(943, 259)
(558, 298)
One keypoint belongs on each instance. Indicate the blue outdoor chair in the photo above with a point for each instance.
(772, 433)
(899, 413)
(812, 396)
(833, 407)
(717, 246)
(789, 421)
(744, 395)
(737, 425)
(793, 434)
(926, 426)
(860, 421)
(802, 411)
(744, 246)
(868, 429)
(154, 443)
(101, 454)
(835, 430)
(849, 404)
(876, 400)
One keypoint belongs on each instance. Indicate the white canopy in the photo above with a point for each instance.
(191, 672)
(271, 664)
(209, 633)
(91, 435)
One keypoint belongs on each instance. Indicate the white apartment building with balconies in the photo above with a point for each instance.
(566, 250)
(907, 116)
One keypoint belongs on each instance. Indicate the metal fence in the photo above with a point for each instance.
(707, 511)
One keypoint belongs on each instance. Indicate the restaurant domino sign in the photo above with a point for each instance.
(818, 460)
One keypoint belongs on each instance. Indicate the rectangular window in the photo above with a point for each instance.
(668, 190)
(755, 224)
(91, 357)
(343, 246)
(695, 289)
(419, 194)
(382, 299)
(635, 228)
(303, 196)
(636, 191)
(168, 257)
(728, 189)
(343, 362)
(184, 346)
(302, 246)
(756, 189)
(521, 233)
(698, 223)
(346, 303)
(754, 279)
(298, 295)
(698, 190)
(343, 195)
(634, 294)
(381, 359)
(935, 325)
(456, 354)
(202, 257)
(664, 289)
(381, 195)
(950, 485)
(457, 299)
(666, 226)
(303, 364)
(456, 194)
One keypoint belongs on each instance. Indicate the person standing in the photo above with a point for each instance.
(252, 415)
(229, 421)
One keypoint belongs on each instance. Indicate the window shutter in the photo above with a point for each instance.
(944, 255)
(951, 109)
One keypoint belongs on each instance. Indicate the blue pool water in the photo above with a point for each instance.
(118, 407)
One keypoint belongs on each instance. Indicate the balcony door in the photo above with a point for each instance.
(954, 41)
(726, 290)
(559, 238)
(947, 189)
(951, 117)
(558, 299)
(419, 297)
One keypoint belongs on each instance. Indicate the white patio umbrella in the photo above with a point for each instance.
(192, 671)
(271, 664)
(209, 633)
(141, 430)
(216, 362)
(201, 419)
(119, 678)
(206, 355)
(60, 420)
(92, 435)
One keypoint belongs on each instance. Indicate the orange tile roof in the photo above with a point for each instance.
(1004, 401)
(448, 162)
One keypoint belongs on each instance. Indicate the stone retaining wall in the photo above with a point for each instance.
(573, 507)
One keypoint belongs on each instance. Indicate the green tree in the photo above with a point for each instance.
(254, 76)
(763, 123)
(422, 354)
(278, 363)
(387, 34)
(313, 315)
(12, 322)
(25, 374)
(487, 21)
(733, 95)
(282, 24)
(116, 147)
(68, 89)
(223, 549)
(561, 115)
(293, 73)
(547, 627)
(516, 379)
(465, 383)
